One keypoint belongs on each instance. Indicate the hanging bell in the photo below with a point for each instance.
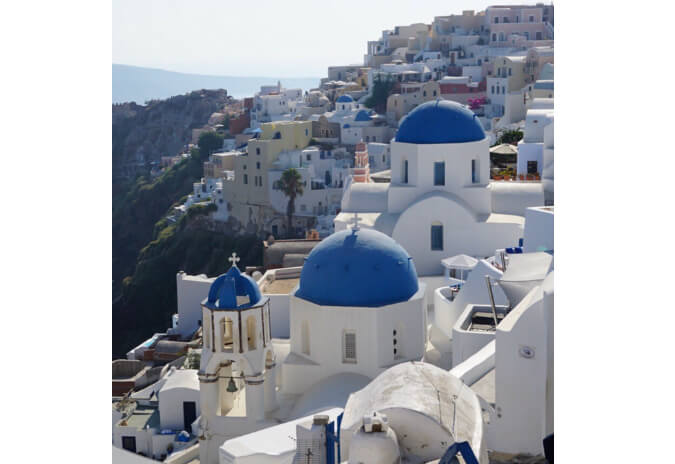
(231, 387)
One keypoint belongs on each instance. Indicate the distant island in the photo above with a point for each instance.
(137, 84)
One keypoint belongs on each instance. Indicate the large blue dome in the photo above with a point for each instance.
(358, 268)
(440, 121)
(345, 99)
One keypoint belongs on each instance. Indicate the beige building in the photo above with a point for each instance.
(535, 60)
(248, 194)
(412, 94)
(218, 163)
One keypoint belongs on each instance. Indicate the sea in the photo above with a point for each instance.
(138, 84)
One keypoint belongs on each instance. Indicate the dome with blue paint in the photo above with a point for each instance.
(362, 116)
(440, 121)
(345, 99)
(362, 268)
(231, 291)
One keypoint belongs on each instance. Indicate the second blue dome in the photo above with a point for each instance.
(363, 268)
(440, 121)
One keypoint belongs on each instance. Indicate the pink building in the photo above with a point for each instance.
(361, 165)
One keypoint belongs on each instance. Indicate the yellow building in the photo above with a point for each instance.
(248, 195)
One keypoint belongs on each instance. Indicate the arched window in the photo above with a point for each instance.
(227, 334)
(251, 332)
(305, 338)
(404, 176)
(436, 236)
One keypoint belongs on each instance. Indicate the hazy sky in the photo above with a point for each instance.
(294, 38)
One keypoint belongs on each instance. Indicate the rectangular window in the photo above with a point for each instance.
(257, 165)
(245, 178)
(531, 19)
(349, 347)
(439, 173)
(405, 171)
(437, 237)
(129, 444)
(474, 171)
(532, 167)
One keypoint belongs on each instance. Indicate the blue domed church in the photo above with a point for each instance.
(440, 201)
(359, 308)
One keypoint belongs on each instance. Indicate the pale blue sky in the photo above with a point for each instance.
(294, 38)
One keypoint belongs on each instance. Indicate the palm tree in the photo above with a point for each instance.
(291, 185)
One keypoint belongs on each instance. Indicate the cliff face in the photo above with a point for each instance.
(143, 134)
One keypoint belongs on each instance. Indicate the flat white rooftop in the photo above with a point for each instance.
(278, 440)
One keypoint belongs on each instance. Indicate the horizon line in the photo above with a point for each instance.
(216, 75)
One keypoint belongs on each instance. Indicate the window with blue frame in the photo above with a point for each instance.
(439, 173)
(437, 236)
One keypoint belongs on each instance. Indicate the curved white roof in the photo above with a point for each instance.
(365, 197)
(181, 378)
(422, 402)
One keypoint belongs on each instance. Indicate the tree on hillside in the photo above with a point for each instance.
(208, 143)
(291, 185)
(381, 90)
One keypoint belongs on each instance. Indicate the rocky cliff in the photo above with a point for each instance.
(143, 134)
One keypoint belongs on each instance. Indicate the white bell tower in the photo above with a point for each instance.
(237, 371)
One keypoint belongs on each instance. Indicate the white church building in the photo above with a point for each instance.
(440, 201)
(359, 308)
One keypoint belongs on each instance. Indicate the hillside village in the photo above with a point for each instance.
(405, 208)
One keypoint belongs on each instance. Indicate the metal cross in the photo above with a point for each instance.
(234, 259)
(355, 220)
(309, 454)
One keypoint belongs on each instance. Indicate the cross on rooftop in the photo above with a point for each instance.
(355, 221)
(309, 454)
(234, 259)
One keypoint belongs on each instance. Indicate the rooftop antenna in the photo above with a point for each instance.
(234, 259)
(492, 300)
(355, 220)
